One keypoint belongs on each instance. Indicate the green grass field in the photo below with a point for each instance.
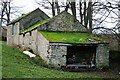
(15, 64)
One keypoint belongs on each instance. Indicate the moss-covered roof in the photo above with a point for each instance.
(75, 38)
(19, 18)
(35, 25)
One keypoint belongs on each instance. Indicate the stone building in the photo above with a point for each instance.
(57, 39)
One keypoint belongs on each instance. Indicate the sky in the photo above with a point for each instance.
(27, 5)
(30, 5)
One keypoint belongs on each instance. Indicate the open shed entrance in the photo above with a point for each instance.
(80, 54)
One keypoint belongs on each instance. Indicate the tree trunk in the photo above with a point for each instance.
(5, 15)
(53, 8)
(3, 10)
(8, 13)
(73, 8)
(57, 6)
(90, 11)
(119, 16)
(119, 25)
(81, 15)
(85, 17)
(67, 5)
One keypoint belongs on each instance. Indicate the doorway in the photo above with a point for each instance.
(80, 54)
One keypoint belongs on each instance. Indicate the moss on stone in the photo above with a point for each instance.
(99, 39)
(77, 38)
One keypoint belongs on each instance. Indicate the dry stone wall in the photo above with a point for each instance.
(102, 56)
(58, 56)
(114, 43)
(43, 47)
(63, 22)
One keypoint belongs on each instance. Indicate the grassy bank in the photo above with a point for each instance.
(15, 64)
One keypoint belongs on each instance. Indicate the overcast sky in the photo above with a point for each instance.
(30, 5)
(26, 5)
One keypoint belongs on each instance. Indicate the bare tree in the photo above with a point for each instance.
(67, 5)
(119, 16)
(73, 8)
(57, 6)
(8, 10)
(81, 14)
(5, 12)
(46, 4)
(88, 11)
(53, 7)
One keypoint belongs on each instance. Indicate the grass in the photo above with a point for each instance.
(78, 38)
(15, 64)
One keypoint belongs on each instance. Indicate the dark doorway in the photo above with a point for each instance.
(79, 54)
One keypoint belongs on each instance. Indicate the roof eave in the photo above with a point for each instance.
(74, 44)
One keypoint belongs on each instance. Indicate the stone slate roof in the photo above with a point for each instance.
(18, 19)
(74, 38)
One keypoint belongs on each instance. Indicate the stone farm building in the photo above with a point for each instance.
(57, 39)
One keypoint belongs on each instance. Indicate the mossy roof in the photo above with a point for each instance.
(75, 38)
(19, 18)
(35, 25)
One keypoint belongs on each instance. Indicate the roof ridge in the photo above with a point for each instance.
(21, 17)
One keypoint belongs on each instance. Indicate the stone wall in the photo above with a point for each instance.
(16, 35)
(27, 40)
(13, 39)
(63, 22)
(53, 55)
(21, 41)
(114, 43)
(34, 45)
(43, 47)
(102, 56)
(9, 35)
(58, 56)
